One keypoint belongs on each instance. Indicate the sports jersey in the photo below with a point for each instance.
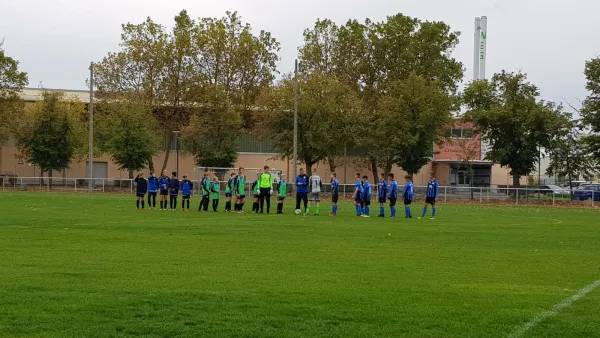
(408, 193)
(335, 187)
(152, 183)
(383, 189)
(240, 185)
(282, 189)
(315, 183)
(186, 188)
(265, 181)
(302, 183)
(359, 189)
(142, 185)
(394, 189)
(174, 186)
(205, 186)
(367, 191)
(432, 188)
(230, 186)
(163, 183)
(256, 187)
(215, 191)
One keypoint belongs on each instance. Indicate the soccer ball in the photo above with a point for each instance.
(298, 211)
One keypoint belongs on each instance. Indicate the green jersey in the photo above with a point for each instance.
(205, 186)
(241, 185)
(282, 189)
(230, 186)
(256, 187)
(215, 191)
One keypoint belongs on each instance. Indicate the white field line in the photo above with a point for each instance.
(555, 310)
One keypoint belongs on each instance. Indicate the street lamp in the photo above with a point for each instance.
(177, 132)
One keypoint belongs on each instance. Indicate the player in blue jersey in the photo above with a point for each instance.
(335, 194)
(140, 191)
(431, 195)
(408, 196)
(382, 193)
(366, 196)
(186, 187)
(358, 195)
(152, 190)
(393, 195)
(163, 186)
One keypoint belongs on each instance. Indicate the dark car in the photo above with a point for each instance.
(587, 192)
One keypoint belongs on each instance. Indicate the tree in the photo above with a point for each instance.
(12, 82)
(213, 131)
(324, 106)
(48, 136)
(508, 116)
(127, 131)
(591, 106)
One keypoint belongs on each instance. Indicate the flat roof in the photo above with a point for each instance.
(35, 94)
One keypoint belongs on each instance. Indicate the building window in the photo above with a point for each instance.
(459, 133)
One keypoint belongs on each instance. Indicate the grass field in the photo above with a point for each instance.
(93, 266)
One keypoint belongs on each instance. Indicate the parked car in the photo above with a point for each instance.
(554, 189)
(586, 192)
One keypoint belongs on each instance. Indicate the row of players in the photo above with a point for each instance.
(308, 190)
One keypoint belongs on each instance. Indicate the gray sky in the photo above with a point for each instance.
(550, 40)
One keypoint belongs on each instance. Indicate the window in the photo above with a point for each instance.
(459, 133)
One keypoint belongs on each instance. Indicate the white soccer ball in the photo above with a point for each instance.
(298, 211)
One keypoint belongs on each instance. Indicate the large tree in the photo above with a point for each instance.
(12, 82)
(51, 134)
(324, 110)
(591, 106)
(509, 117)
(127, 131)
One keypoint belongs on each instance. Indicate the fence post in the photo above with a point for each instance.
(445, 194)
(480, 195)
(48, 184)
(517, 196)
(593, 197)
(553, 198)
(102, 185)
(130, 187)
(75, 185)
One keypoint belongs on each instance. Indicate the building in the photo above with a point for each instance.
(462, 149)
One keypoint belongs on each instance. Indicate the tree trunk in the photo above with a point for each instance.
(166, 162)
(309, 165)
(131, 174)
(150, 164)
(374, 169)
(41, 177)
(50, 179)
(332, 164)
(516, 184)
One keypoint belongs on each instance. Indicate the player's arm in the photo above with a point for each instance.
(437, 189)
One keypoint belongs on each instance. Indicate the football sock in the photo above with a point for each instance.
(174, 203)
(137, 204)
(188, 204)
(409, 212)
(143, 204)
(406, 211)
(335, 207)
(424, 212)
(308, 209)
(358, 211)
(241, 206)
(318, 210)
(227, 206)
(432, 212)
(368, 210)
(393, 211)
(381, 211)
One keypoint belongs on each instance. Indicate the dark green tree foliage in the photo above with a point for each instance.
(127, 131)
(12, 81)
(591, 106)
(49, 142)
(508, 116)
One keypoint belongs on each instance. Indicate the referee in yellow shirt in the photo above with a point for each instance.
(265, 182)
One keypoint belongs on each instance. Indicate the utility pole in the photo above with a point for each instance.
(91, 141)
(176, 132)
(295, 166)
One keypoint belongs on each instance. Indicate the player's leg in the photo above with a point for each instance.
(261, 201)
(392, 207)
(425, 208)
(310, 200)
(137, 202)
(268, 200)
(433, 203)
(367, 208)
(305, 201)
(318, 203)
(227, 202)
(242, 201)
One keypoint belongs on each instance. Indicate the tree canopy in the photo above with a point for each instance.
(12, 82)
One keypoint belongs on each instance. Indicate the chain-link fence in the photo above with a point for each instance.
(583, 196)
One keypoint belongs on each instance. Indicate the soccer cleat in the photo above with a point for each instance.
(367, 216)
(182, 209)
(432, 218)
(381, 216)
(419, 217)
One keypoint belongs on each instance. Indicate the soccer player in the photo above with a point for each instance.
(163, 183)
(205, 185)
(335, 194)
(393, 197)
(302, 189)
(281, 194)
(358, 195)
(174, 191)
(382, 193)
(315, 192)
(229, 188)
(408, 196)
(266, 189)
(152, 189)
(240, 191)
(256, 194)
(432, 194)
(186, 187)
(216, 195)
(366, 196)
(142, 187)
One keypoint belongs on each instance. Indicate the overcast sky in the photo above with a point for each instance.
(55, 40)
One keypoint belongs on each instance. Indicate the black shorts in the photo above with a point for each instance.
(186, 197)
(407, 202)
(227, 194)
(280, 198)
(140, 194)
(335, 198)
(358, 200)
(152, 193)
(382, 199)
(241, 197)
(392, 202)
(366, 202)
(164, 192)
(430, 200)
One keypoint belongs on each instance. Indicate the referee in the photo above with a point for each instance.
(265, 183)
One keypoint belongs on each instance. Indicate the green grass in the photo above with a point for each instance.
(93, 266)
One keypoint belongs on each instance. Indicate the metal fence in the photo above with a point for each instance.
(450, 194)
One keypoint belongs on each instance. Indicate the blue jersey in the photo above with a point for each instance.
(163, 183)
(302, 184)
(152, 184)
(394, 189)
(359, 189)
(383, 189)
(186, 187)
(335, 187)
(367, 191)
(408, 193)
(432, 188)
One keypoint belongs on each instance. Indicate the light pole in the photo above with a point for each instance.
(91, 131)
(176, 132)
(295, 163)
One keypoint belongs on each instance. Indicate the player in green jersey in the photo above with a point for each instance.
(281, 194)
(240, 191)
(215, 189)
